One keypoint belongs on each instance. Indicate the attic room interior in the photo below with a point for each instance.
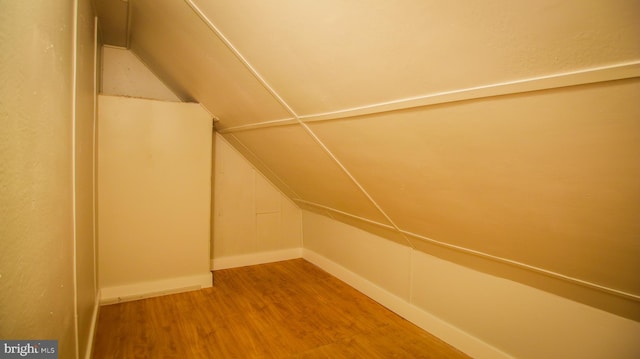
(468, 171)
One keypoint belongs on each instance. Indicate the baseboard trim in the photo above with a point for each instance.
(135, 291)
(255, 258)
(455, 336)
(93, 328)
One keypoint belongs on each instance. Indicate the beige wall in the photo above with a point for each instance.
(467, 131)
(468, 136)
(85, 121)
(46, 166)
(544, 181)
(154, 164)
(514, 319)
(331, 56)
(547, 178)
(123, 74)
(252, 217)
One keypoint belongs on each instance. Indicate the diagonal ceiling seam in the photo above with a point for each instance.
(255, 126)
(344, 169)
(546, 82)
(302, 201)
(600, 74)
(238, 55)
(178, 94)
(460, 95)
(619, 293)
(265, 166)
(621, 71)
(266, 85)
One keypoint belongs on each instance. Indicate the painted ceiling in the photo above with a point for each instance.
(506, 131)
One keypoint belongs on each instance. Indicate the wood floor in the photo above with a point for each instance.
(289, 309)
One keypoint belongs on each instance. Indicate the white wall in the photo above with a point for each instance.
(154, 175)
(253, 221)
(483, 315)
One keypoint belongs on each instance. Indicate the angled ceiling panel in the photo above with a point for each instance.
(543, 181)
(178, 46)
(259, 165)
(324, 56)
(114, 18)
(292, 154)
(548, 179)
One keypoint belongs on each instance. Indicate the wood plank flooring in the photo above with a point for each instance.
(289, 309)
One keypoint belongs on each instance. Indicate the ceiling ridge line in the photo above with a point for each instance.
(353, 179)
(543, 271)
(314, 204)
(566, 79)
(239, 56)
(262, 163)
(270, 89)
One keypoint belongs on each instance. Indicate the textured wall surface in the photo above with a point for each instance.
(36, 163)
(123, 74)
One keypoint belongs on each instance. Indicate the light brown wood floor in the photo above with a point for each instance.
(289, 309)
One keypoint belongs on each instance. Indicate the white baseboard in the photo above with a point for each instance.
(110, 295)
(255, 258)
(456, 337)
(93, 328)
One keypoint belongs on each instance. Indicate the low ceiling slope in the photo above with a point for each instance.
(505, 130)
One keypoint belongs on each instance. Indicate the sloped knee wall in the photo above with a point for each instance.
(480, 314)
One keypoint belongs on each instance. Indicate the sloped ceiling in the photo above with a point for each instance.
(505, 130)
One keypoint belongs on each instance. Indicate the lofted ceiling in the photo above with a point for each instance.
(504, 130)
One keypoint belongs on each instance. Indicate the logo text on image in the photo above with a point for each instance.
(44, 349)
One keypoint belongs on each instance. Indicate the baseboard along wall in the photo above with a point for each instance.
(255, 258)
(434, 325)
(135, 291)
